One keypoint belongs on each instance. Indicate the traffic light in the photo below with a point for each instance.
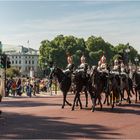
(3, 60)
(8, 62)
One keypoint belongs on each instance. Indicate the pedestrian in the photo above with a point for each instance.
(19, 87)
(14, 86)
(29, 89)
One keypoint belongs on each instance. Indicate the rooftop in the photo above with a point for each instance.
(18, 49)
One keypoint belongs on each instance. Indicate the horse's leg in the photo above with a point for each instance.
(64, 98)
(132, 90)
(99, 97)
(136, 92)
(139, 95)
(93, 103)
(93, 99)
(76, 96)
(86, 95)
(128, 94)
(68, 103)
(105, 99)
(113, 100)
(79, 101)
(106, 96)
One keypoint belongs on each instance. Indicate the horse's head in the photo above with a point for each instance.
(55, 72)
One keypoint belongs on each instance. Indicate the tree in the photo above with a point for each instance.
(56, 50)
(12, 72)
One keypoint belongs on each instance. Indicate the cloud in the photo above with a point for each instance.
(115, 25)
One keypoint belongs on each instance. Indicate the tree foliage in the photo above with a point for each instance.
(57, 49)
(12, 72)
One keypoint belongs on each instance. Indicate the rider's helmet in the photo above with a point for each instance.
(83, 59)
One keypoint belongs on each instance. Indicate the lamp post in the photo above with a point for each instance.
(127, 50)
(136, 60)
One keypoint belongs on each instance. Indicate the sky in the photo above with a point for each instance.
(115, 21)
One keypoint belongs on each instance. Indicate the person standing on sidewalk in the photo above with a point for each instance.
(29, 89)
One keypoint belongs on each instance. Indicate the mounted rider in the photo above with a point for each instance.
(70, 66)
(116, 65)
(122, 66)
(83, 68)
(103, 62)
(102, 65)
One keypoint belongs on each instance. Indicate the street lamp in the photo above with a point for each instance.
(127, 50)
(136, 60)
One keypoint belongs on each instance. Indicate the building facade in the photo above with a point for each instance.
(22, 58)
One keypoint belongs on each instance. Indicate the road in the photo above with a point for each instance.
(41, 117)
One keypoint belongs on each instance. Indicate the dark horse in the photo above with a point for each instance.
(80, 80)
(64, 83)
(136, 80)
(98, 81)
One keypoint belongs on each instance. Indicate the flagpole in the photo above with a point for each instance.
(28, 44)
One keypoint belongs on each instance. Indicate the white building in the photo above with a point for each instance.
(25, 59)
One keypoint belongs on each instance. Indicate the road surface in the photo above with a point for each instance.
(42, 117)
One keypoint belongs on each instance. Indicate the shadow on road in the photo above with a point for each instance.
(26, 104)
(124, 108)
(19, 126)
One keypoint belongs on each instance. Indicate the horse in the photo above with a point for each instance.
(82, 79)
(114, 88)
(64, 82)
(98, 82)
(136, 80)
(125, 84)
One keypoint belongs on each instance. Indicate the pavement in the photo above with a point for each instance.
(41, 117)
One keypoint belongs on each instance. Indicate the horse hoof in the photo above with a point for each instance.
(93, 109)
(62, 107)
(112, 107)
(81, 108)
(129, 102)
(108, 104)
(72, 109)
(70, 104)
(118, 104)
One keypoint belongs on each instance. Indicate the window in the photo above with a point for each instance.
(32, 62)
(29, 61)
(19, 62)
(16, 61)
(26, 62)
(12, 62)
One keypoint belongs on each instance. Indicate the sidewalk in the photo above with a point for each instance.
(41, 94)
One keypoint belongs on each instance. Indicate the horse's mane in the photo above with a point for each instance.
(60, 70)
